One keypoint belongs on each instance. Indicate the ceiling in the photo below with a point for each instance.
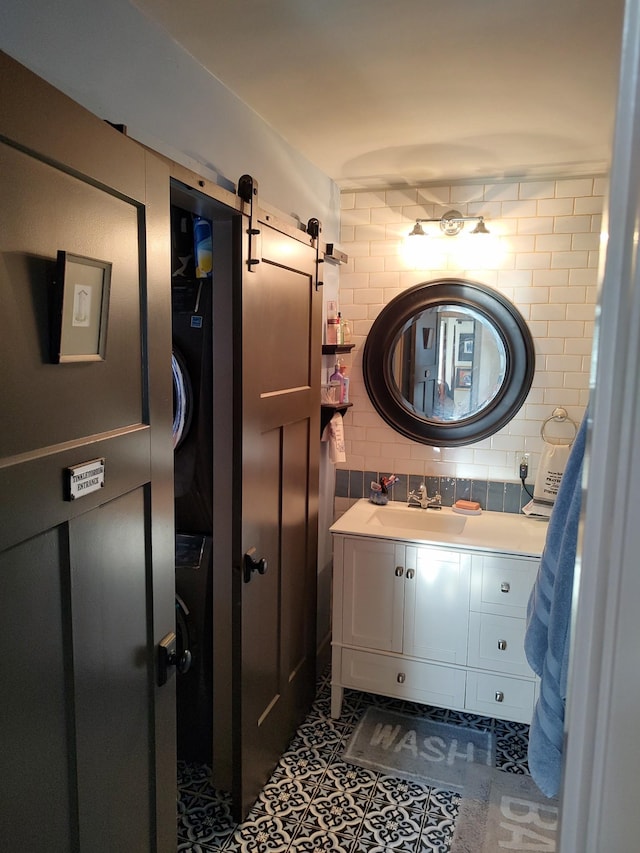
(388, 93)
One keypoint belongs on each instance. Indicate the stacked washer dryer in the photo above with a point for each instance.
(194, 690)
(192, 366)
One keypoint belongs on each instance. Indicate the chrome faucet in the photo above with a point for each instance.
(421, 499)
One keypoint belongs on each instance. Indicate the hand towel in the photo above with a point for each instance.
(334, 434)
(548, 624)
(553, 462)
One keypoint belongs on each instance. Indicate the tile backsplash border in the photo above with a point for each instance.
(492, 495)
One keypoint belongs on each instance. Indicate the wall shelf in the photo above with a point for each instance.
(328, 410)
(334, 349)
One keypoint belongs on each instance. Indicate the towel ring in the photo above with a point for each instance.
(559, 415)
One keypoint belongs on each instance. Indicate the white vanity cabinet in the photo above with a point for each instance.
(439, 625)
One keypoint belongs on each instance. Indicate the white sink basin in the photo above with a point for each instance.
(506, 532)
(418, 520)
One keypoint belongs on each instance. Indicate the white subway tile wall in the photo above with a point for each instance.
(548, 236)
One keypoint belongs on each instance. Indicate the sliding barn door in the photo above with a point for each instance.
(86, 572)
(276, 555)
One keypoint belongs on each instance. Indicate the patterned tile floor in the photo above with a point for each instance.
(315, 803)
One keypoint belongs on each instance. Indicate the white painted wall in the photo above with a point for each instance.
(119, 65)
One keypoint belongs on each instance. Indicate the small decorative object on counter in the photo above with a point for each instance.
(376, 495)
(379, 492)
(467, 507)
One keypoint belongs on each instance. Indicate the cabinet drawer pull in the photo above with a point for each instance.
(411, 574)
(502, 645)
(399, 571)
(505, 586)
(499, 696)
(401, 677)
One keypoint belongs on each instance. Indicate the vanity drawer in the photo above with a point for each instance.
(407, 679)
(502, 585)
(500, 696)
(497, 643)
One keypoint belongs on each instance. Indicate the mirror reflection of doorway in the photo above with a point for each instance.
(418, 375)
(448, 363)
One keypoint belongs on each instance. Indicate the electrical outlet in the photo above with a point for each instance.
(522, 464)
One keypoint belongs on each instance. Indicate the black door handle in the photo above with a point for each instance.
(183, 663)
(252, 565)
(168, 658)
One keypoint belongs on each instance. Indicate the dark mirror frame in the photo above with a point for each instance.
(509, 325)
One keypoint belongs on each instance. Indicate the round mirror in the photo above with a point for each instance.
(448, 362)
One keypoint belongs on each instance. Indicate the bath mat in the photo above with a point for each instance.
(503, 811)
(415, 748)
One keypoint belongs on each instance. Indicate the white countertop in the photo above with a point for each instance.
(506, 532)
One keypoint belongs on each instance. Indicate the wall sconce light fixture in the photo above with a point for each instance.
(451, 224)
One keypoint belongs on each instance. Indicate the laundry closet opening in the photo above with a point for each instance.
(246, 432)
(202, 285)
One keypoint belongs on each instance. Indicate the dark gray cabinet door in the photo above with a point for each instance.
(274, 612)
(86, 585)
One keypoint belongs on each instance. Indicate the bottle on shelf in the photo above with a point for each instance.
(332, 331)
(333, 323)
(345, 331)
(345, 380)
(337, 376)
